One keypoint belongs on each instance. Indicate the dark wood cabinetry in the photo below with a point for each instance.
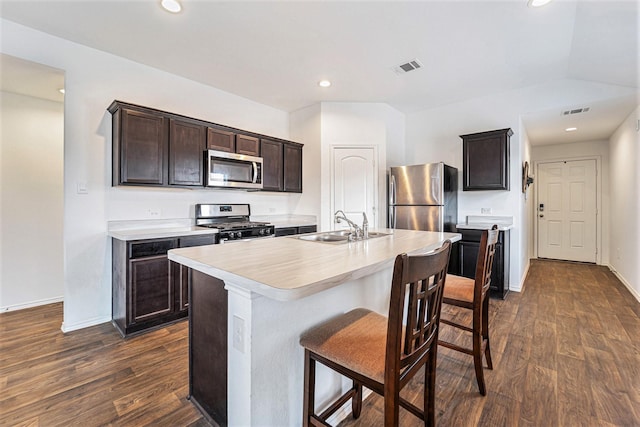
(272, 158)
(291, 231)
(157, 148)
(292, 168)
(139, 148)
(208, 346)
(248, 145)
(187, 142)
(282, 166)
(468, 249)
(148, 289)
(485, 160)
(221, 140)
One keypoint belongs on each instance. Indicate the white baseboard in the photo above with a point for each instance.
(66, 327)
(31, 304)
(625, 283)
(520, 285)
(342, 413)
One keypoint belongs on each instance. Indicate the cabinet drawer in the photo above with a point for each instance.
(286, 231)
(307, 229)
(151, 248)
(187, 242)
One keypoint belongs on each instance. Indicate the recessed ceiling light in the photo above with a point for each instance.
(172, 6)
(324, 83)
(61, 90)
(537, 3)
(570, 129)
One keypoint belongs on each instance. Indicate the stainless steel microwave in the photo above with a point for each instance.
(232, 170)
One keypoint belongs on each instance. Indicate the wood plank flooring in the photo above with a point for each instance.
(91, 377)
(566, 352)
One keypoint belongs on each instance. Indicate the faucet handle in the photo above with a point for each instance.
(364, 218)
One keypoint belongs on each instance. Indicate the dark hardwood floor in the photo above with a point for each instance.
(566, 352)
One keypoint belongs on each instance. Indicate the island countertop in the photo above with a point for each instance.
(288, 268)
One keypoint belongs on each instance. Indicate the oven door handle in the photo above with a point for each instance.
(255, 172)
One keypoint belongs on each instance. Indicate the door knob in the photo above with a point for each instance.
(541, 216)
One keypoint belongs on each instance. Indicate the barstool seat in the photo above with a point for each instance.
(334, 340)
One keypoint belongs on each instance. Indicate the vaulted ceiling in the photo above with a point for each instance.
(275, 52)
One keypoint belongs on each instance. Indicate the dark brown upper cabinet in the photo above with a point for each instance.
(139, 147)
(221, 140)
(485, 160)
(187, 142)
(272, 165)
(292, 168)
(157, 148)
(248, 145)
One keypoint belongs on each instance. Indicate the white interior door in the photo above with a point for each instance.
(567, 210)
(354, 189)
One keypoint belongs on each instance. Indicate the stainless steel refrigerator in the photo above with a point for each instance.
(423, 197)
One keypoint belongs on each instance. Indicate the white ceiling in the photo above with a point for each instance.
(275, 52)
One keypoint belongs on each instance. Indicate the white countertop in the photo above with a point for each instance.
(282, 221)
(287, 268)
(485, 222)
(159, 233)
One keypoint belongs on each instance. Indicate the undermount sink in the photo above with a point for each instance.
(338, 236)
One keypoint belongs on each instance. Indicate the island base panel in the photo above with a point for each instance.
(208, 346)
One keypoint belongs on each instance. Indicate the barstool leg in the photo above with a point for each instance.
(309, 388)
(356, 401)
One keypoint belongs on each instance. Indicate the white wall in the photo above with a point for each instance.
(624, 158)
(527, 211)
(376, 125)
(598, 150)
(31, 208)
(433, 135)
(93, 80)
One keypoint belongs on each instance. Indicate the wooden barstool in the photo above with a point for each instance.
(472, 295)
(383, 353)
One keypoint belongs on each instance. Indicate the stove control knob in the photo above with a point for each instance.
(267, 231)
(232, 235)
(238, 234)
(262, 231)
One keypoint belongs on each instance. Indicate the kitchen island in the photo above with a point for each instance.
(275, 289)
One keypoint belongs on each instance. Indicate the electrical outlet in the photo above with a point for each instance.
(485, 211)
(272, 210)
(238, 333)
(154, 212)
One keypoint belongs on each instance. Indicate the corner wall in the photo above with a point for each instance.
(624, 157)
(93, 80)
(31, 195)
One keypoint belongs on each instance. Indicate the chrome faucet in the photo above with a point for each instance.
(360, 232)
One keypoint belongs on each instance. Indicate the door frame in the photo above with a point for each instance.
(376, 177)
(598, 160)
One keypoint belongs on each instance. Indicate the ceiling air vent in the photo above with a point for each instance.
(575, 111)
(414, 64)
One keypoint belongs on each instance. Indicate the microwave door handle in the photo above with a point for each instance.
(255, 172)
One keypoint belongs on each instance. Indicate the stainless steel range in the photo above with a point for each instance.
(232, 222)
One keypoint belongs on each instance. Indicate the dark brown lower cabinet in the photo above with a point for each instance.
(208, 346)
(468, 249)
(148, 290)
(291, 231)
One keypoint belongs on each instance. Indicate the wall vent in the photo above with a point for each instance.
(414, 64)
(575, 111)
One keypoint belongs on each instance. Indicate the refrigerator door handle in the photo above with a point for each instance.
(392, 217)
(392, 190)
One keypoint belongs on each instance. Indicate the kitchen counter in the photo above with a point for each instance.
(154, 229)
(270, 292)
(288, 268)
(485, 222)
(284, 221)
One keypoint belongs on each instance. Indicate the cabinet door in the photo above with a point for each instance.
(151, 290)
(248, 145)
(486, 160)
(181, 276)
(292, 168)
(143, 147)
(272, 167)
(221, 140)
(186, 148)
